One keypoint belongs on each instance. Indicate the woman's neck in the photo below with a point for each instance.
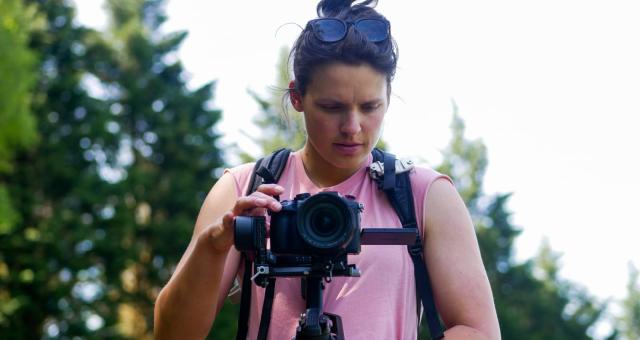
(322, 173)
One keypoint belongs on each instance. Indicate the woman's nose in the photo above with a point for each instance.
(350, 124)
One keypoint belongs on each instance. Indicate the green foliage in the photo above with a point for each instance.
(630, 320)
(8, 216)
(531, 299)
(45, 276)
(465, 161)
(17, 77)
(106, 202)
(226, 324)
(17, 67)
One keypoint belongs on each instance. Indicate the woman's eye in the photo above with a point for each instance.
(370, 108)
(331, 107)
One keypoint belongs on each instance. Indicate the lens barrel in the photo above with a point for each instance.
(249, 233)
(326, 222)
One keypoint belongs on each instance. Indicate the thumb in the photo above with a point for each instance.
(228, 221)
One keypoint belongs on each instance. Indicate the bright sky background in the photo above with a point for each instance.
(551, 87)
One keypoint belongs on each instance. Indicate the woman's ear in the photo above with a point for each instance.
(295, 97)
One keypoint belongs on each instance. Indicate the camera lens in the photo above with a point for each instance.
(248, 232)
(325, 222)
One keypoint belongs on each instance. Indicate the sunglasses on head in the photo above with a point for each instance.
(334, 29)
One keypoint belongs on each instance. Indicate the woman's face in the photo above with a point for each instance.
(344, 106)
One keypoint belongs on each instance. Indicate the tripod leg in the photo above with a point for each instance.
(313, 324)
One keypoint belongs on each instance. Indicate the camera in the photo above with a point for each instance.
(324, 224)
(311, 236)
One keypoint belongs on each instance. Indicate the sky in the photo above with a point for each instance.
(551, 87)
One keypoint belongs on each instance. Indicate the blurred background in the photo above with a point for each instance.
(117, 117)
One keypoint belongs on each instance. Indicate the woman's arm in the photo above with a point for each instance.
(187, 306)
(461, 288)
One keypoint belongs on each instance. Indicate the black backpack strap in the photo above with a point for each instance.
(245, 300)
(265, 318)
(267, 170)
(397, 188)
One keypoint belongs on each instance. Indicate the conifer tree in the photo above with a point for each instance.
(529, 306)
(17, 133)
(52, 282)
(629, 322)
(108, 199)
(166, 133)
(18, 75)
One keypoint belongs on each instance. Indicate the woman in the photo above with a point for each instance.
(343, 67)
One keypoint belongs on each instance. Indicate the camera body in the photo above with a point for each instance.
(324, 224)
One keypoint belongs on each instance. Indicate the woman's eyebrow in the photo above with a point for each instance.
(328, 101)
(373, 101)
(338, 101)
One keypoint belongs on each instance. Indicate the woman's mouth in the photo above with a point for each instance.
(347, 148)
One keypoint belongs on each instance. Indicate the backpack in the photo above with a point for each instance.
(392, 177)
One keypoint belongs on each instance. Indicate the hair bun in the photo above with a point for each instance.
(331, 8)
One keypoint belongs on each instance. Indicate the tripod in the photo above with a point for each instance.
(314, 324)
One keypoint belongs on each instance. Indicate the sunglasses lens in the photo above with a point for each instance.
(375, 30)
(329, 30)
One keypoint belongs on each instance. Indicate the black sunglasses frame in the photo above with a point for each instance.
(345, 24)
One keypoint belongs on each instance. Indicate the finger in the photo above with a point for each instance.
(272, 203)
(222, 236)
(246, 203)
(228, 220)
(256, 212)
(270, 189)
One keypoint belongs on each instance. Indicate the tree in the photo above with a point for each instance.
(51, 188)
(629, 322)
(531, 300)
(17, 66)
(17, 126)
(108, 199)
(167, 132)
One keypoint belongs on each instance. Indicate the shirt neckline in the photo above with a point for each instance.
(347, 183)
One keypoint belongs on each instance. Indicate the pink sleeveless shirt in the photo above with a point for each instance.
(381, 303)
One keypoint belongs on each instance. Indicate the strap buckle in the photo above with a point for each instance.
(376, 169)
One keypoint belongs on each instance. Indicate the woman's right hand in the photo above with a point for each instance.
(220, 235)
(206, 270)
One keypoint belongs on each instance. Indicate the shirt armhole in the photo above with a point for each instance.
(421, 181)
